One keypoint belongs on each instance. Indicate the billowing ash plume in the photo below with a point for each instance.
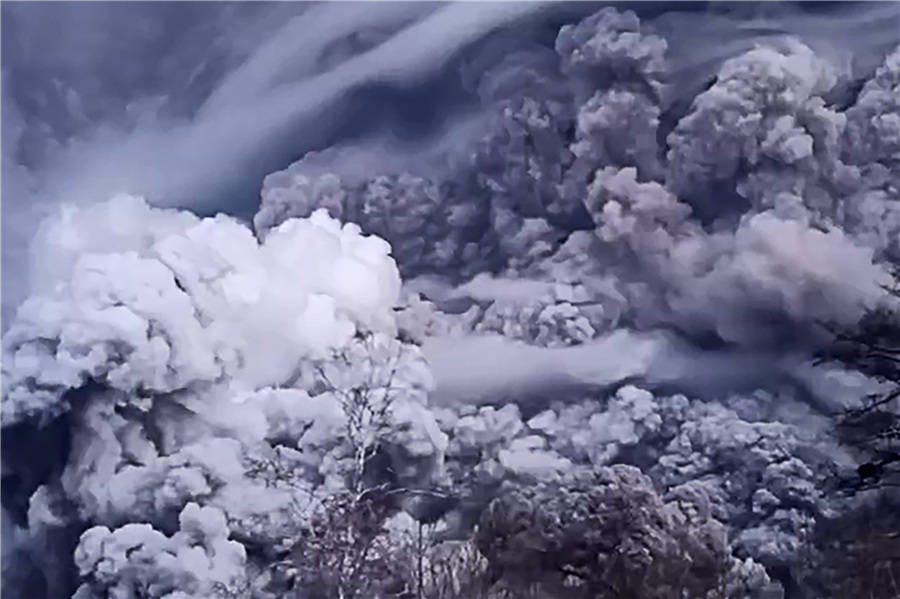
(596, 261)
(195, 365)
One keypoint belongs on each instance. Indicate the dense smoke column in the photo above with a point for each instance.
(619, 75)
(764, 126)
(521, 162)
(871, 144)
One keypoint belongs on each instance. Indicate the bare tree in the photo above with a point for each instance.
(345, 550)
(438, 568)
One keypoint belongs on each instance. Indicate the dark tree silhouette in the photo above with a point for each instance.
(873, 429)
(855, 551)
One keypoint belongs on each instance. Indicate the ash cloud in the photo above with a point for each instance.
(562, 234)
(185, 143)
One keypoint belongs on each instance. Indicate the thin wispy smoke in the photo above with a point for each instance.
(232, 127)
(295, 50)
(486, 369)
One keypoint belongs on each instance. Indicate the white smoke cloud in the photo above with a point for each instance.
(168, 300)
